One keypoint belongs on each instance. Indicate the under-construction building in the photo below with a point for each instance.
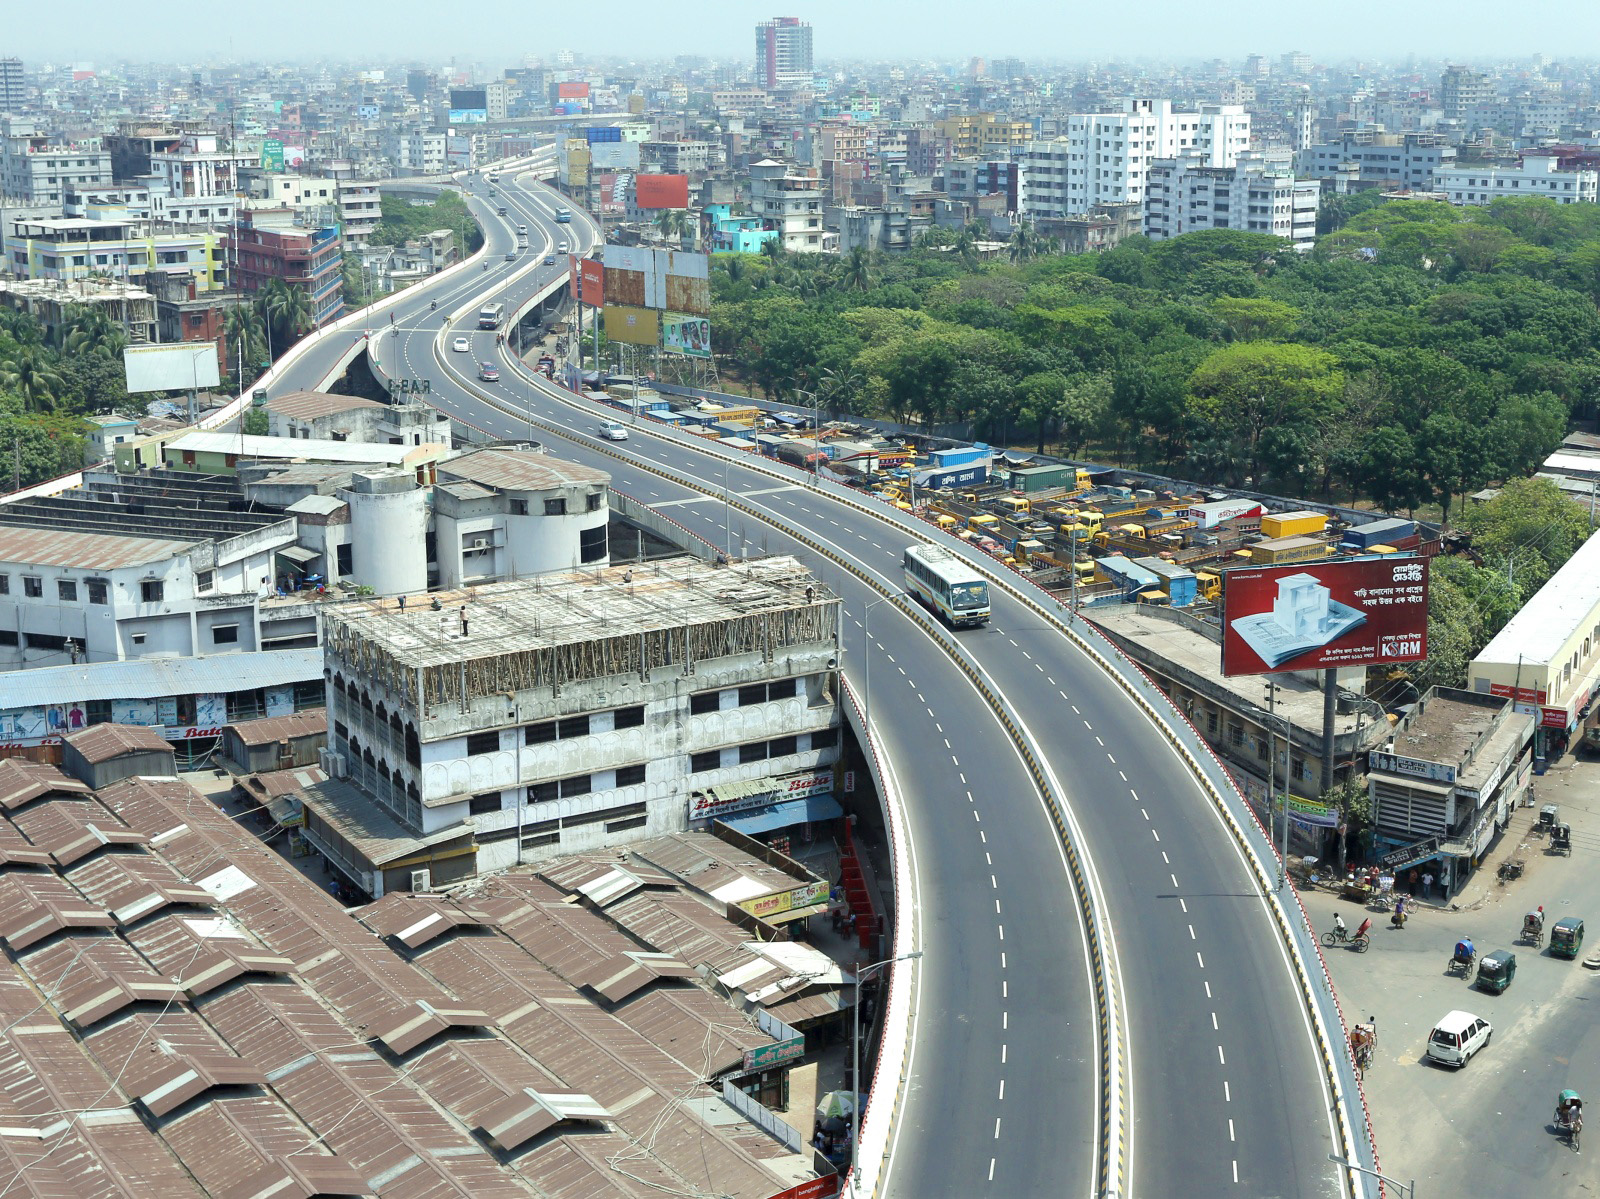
(582, 709)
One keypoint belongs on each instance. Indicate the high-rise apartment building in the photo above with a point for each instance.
(1460, 89)
(1255, 195)
(12, 93)
(1104, 157)
(783, 52)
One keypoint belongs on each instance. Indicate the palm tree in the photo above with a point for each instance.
(33, 376)
(857, 274)
(672, 223)
(773, 248)
(246, 333)
(966, 248)
(735, 267)
(838, 386)
(1026, 243)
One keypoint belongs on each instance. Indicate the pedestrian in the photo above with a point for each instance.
(1411, 880)
(1427, 885)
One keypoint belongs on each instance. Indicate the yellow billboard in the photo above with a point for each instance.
(633, 326)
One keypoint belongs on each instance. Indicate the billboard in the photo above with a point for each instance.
(469, 97)
(614, 155)
(661, 191)
(633, 326)
(468, 116)
(177, 366)
(689, 335)
(294, 157)
(272, 155)
(592, 282)
(572, 274)
(1322, 614)
(572, 91)
(610, 201)
(670, 280)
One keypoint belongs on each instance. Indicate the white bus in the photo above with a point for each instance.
(490, 316)
(942, 581)
(563, 216)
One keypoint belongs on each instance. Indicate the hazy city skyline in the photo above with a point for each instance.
(499, 31)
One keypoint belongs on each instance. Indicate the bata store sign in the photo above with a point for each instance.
(717, 802)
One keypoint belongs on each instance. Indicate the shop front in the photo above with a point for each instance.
(786, 814)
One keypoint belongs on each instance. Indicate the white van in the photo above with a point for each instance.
(522, 229)
(1457, 1037)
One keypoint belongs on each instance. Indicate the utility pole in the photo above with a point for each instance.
(1272, 780)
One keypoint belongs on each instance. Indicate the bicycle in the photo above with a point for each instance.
(1358, 942)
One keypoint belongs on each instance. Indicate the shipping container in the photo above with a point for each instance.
(958, 456)
(1030, 479)
(1293, 524)
(1378, 532)
(1215, 512)
(1280, 550)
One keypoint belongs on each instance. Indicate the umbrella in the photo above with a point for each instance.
(836, 1103)
(835, 1124)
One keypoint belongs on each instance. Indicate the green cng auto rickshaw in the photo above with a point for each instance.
(1566, 937)
(1496, 970)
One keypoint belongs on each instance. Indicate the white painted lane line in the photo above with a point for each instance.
(997, 1128)
(1005, 989)
(997, 907)
(975, 819)
(1135, 795)
(1214, 1027)
(1002, 1055)
(1221, 1057)
(987, 859)
(1231, 1137)
(1165, 861)
(1202, 962)
(1236, 1169)
(992, 883)
(1002, 929)
(1184, 906)
(1088, 726)
(1208, 990)
(1002, 959)
(1174, 879)
(1155, 834)
(991, 1170)
(1075, 711)
(1227, 1092)
(1144, 813)
(1005, 1019)
(1002, 1094)
(983, 836)
(1113, 761)
(1124, 777)
(1099, 742)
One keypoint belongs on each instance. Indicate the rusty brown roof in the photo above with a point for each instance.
(272, 729)
(308, 405)
(520, 470)
(83, 551)
(102, 742)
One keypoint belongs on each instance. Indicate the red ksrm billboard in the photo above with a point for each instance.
(593, 287)
(661, 191)
(1323, 614)
(572, 91)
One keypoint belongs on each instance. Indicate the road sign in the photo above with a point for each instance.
(410, 386)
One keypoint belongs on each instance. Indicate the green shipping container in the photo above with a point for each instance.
(1042, 478)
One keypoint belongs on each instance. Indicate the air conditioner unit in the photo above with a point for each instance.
(421, 880)
(480, 543)
(339, 768)
(325, 760)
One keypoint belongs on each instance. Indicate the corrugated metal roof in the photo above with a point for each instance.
(154, 677)
(308, 405)
(520, 470)
(102, 742)
(272, 729)
(83, 551)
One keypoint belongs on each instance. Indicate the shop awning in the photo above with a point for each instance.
(785, 815)
(298, 553)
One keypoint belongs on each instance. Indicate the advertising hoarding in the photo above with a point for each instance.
(689, 335)
(1314, 615)
(704, 805)
(272, 155)
(614, 156)
(633, 326)
(294, 157)
(469, 97)
(661, 191)
(176, 366)
(468, 116)
(572, 91)
(572, 274)
(670, 280)
(610, 201)
(591, 281)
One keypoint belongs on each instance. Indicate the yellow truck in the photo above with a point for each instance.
(983, 522)
(1293, 524)
(1010, 505)
(1208, 585)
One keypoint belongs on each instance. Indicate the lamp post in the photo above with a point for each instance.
(1272, 776)
(855, 1054)
(816, 431)
(1410, 1188)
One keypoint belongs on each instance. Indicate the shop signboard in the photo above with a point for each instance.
(765, 1057)
(812, 1188)
(1417, 768)
(1553, 718)
(704, 805)
(778, 903)
(1313, 615)
(1523, 695)
(1410, 855)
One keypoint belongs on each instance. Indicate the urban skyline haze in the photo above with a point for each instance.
(1032, 29)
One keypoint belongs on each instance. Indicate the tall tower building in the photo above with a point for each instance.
(12, 92)
(783, 52)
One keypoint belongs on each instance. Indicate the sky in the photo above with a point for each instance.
(501, 33)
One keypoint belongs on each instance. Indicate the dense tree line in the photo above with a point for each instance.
(1419, 352)
(48, 381)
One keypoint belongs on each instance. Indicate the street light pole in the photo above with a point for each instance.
(1410, 1188)
(1272, 777)
(855, 1054)
(866, 658)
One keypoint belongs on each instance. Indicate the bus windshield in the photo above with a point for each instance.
(964, 596)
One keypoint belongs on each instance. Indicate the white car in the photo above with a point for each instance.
(613, 431)
(461, 345)
(1458, 1036)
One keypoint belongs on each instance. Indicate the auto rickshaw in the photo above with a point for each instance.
(1566, 937)
(1496, 970)
(1549, 815)
(1561, 838)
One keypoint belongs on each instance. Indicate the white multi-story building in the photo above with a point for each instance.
(1104, 158)
(357, 203)
(1255, 195)
(789, 203)
(783, 52)
(1537, 175)
(324, 416)
(584, 710)
(197, 169)
(72, 249)
(33, 170)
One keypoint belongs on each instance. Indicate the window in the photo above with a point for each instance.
(630, 776)
(5, 584)
(483, 743)
(97, 589)
(152, 591)
(617, 826)
(710, 759)
(225, 634)
(782, 747)
(824, 738)
(704, 701)
(572, 726)
(628, 718)
(544, 792)
(483, 804)
(592, 502)
(592, 544)
(556, 507)
(519, 507)
(578, 784)
(188, 457)
(539, 734)
(136, 638)
(755, 693)
(32, 586)
(755, 751)
(67, 590)
(9, 637)
(205, 580)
